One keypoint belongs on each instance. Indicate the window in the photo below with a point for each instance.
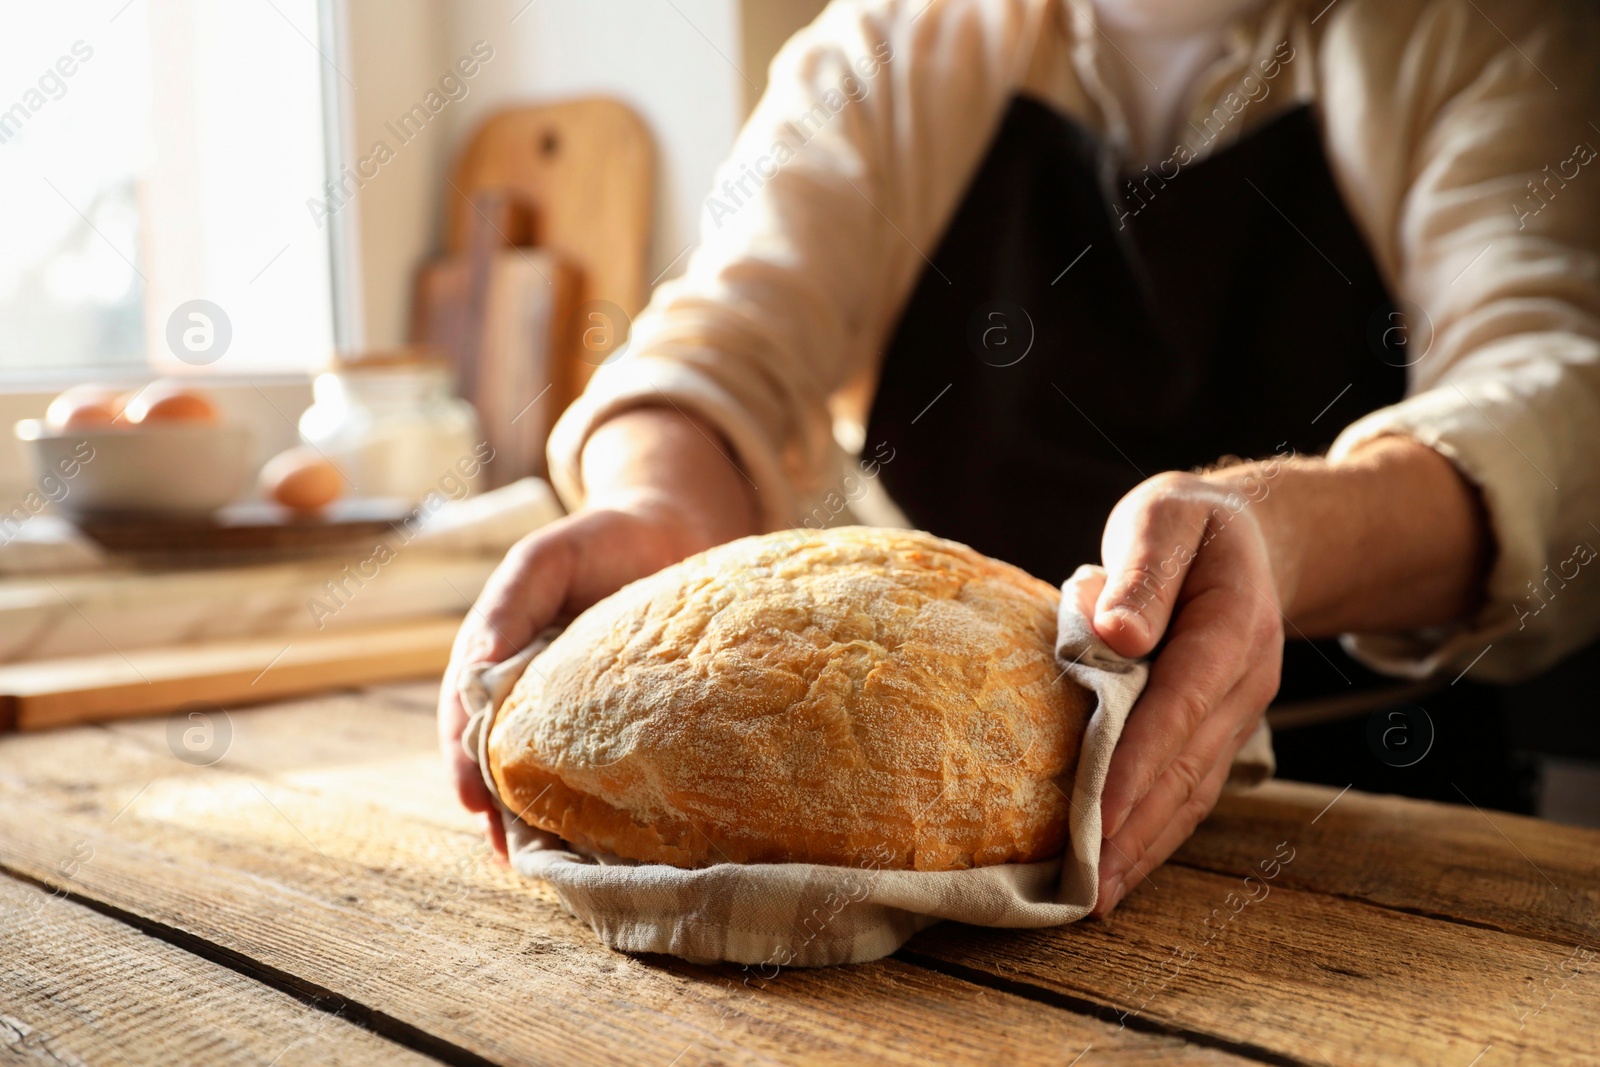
(155, 154)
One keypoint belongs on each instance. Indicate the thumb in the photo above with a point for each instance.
(1150, 541)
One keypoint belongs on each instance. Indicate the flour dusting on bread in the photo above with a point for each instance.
(837, 697)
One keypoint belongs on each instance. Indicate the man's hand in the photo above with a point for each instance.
(1184, 566)
(661, 487)
(1215, 566)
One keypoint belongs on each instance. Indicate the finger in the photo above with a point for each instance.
(1150, 540)
(496, 832)
(1216, 743)
(1114, 886)
(479, 640)
(519, 599)
(470, 787)
(1083, 588)
(1214, 643)
(522, 595)
(528, 591)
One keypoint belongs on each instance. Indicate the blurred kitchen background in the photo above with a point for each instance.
(413, 204)
(178, 161)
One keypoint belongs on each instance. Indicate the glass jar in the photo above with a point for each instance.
(390, 423)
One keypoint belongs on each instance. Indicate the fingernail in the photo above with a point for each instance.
(1114, 824)
(1127, 617)
(1112, 895)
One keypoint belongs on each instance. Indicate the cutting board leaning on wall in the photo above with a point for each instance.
(548, 216)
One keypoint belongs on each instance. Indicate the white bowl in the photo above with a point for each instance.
(172, 468)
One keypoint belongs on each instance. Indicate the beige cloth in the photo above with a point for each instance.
(812, 915)
(1461, 133)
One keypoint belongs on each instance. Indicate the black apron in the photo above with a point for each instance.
(1228, 316)
(1071, 339)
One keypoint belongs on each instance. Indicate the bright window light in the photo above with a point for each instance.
(155, 160)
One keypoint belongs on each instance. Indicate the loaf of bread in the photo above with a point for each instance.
(858, 696)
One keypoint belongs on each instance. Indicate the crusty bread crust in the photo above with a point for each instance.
(854, 696)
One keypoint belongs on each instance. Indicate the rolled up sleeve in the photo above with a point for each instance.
(1468, 158)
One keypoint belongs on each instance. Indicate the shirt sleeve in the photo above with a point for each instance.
(1462, 135)
(820, 222)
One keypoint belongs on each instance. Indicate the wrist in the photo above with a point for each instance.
(1264, 489)
(672, 470)
(1389, 537)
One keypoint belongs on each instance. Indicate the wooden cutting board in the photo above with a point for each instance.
(501, 314)
(581, 178)
(218, 674)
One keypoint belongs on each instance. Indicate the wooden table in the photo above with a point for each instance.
(316, 897)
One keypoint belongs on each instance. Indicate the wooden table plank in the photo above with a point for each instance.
(326, 849)
(1508, 872)
(77, 987)
(1311, 977)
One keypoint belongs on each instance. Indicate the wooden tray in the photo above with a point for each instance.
(244, 528)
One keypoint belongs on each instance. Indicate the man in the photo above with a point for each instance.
(1042, 255)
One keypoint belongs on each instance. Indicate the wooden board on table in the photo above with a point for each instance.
(60, 692)
(79, 987)
(288, 855)
(587, 168)
(60, 616)
(245, 528)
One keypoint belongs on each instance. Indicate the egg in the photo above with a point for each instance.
(165, 402)
(301, 479)
(83, 407)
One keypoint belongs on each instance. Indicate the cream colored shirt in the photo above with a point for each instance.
(1459, 132)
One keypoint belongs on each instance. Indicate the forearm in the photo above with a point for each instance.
(670, 463)
(1391, 538)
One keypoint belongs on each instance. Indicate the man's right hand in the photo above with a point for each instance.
(661, 487)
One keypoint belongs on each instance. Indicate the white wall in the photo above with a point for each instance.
(673, 62)
(691, 68)
(395, 51)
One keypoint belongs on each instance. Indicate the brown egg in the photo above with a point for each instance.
(301, 479)
(83, 407)
(161, 402)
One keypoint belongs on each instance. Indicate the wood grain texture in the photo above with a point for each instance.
(1301, 975)
(62, 692)
(77, 987)
(1508, 872)
(326, 847)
